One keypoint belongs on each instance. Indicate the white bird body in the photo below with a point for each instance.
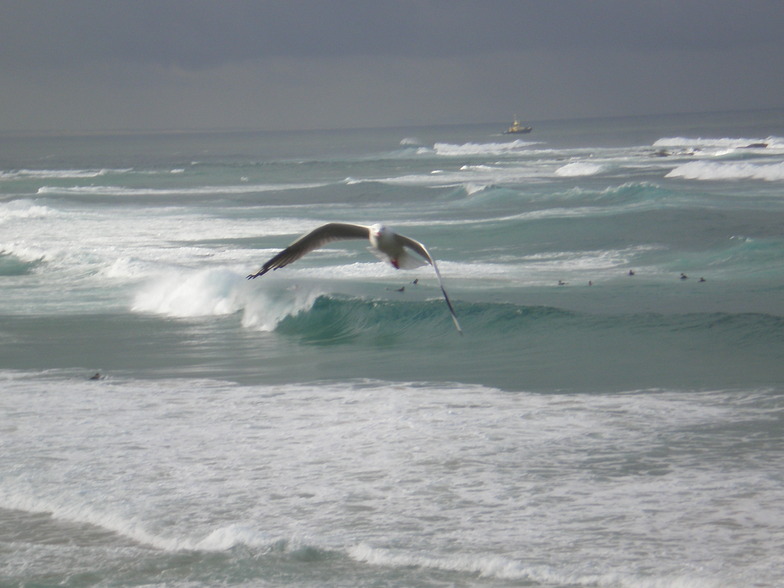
(391, 247)
(384, 243)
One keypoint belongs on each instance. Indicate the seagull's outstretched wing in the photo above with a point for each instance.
(314, 240)
(421, 250)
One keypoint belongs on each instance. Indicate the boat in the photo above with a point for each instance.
(517, 128)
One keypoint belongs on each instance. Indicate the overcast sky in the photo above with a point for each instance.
(73, 65)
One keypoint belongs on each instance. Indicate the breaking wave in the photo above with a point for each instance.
(516, 571)
(712, 170)
(66, 174)
(720, 143)
(221, 292)
(307, 310)
(24, 209)
(11, 265)
(201, 190)
(453, 150)
(220, 539)
(577, 169)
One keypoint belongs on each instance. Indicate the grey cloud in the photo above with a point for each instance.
(199, 33)
(315, 63)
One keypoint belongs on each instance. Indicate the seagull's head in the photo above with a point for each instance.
(378, 230)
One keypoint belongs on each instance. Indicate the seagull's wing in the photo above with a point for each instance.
(421, 250)
(314, 240)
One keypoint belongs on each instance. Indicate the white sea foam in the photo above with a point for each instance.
(720, 143)
(453, 150)
(24, 209)
(199, 191)
(507, 569)
(27, 252)
(712, 170)
(191, 294)
(127, 267)
(220, 539)
(467, 175)
(59, 173)
(453, 477)
(220, 292)
(579, 168)
(265, 310)
(84, 513)
(472, 189)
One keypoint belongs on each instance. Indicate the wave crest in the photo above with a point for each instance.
(11, 265)
(221, 292)
(711, 170)
(490, 566)
(720, 143)
(183, 191)
(578, 169)
(453, 150)
(24, 209)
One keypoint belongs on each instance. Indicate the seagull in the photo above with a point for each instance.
(384, 243)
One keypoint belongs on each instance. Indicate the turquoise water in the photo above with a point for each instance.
(602, 422)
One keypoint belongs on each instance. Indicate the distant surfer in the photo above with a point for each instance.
(631, 272)
(684, 276)
(96, 376)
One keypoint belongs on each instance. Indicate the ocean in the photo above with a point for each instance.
(612, 415)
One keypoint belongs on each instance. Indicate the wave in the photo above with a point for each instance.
(62, 174)
(87, 515)
(11, 265)
(502, 568)
(221, 292)
(628, 192)
(203, 293)
(331, 320)
(454, 150)
(725, 143)
(302, 309)
(197, 191)
(711, 170)
(220, 539)
(471, 175)
(578, 169)
(23, 255)
(308, 312)
(616, 198)
(745, 256)
(256, 544)
(24, 209)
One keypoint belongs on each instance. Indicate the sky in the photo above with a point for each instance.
(101, 65)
